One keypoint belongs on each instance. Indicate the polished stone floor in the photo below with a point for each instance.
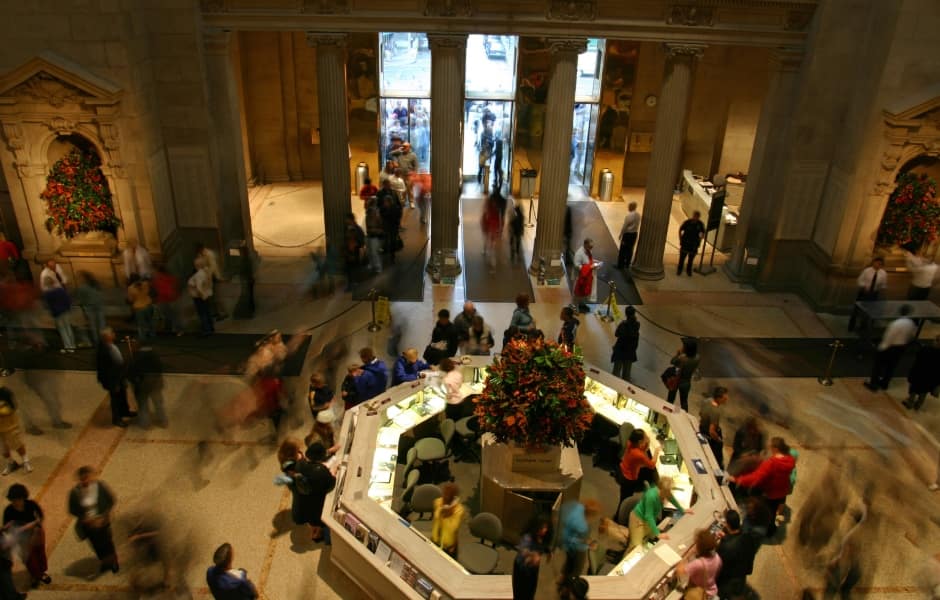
(848, 438)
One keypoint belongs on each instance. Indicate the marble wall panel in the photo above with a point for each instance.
(192, 192)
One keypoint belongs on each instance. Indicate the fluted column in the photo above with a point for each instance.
(757, 216)
(448, 73)
(334, 138)
(556, 156)
(227, 156)
(663, 173)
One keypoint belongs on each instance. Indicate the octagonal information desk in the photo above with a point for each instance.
(389, 559)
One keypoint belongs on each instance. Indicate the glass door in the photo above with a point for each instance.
(405, 104)
(406, 120)
(487, 141)
(583, 139)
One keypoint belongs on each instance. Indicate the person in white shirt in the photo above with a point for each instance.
(399, 186)
(200, 288)
(215, 272)
(137, 260)
(451, 382)
(52, 282)
(871, 282)
(923, 273)
(628, 235)
(897, 336)
(586, 284)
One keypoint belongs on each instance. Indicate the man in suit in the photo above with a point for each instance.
(112, 371)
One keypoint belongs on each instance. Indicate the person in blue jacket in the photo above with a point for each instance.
(227, 583)
(575, 538)
(372, 377)
(408, 367)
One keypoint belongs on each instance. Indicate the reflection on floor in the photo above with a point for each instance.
(847, 436)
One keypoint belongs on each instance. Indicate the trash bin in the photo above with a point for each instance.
(605, 187)
(362, 173)
(527, 182)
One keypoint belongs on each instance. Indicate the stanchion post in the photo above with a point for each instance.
(610, 301)
(826, 379)
(531, 222)
(373, 297)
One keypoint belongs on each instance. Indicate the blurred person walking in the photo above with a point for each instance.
(448, 513)
(145, 375)
(10, 434)
(516, 229)
(200, 288)
(166, 290)
(628, 339)
(138, 295)
(137, 260)
(575, 538)
(375, 235)
(924, 376)
(709, 424)
(91, 503)
(89, 297)
(871, 282)
(771, 478)
(211, 260)
(534, 544)
(52, 282)
(898, 335)
(25, 517)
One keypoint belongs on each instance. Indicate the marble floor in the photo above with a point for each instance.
(849, 439)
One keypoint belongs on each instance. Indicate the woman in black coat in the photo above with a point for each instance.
(628, 338)
(924, 376)
(309, 482)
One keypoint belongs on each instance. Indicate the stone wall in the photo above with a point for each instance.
(279, 84)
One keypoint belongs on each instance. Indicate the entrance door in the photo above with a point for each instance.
(582, 144)
(405, 120)
(487, 141)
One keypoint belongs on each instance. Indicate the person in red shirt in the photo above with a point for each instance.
(772, 477)
(367, 191)
(166, 291)
(8, 250)
(636, 467)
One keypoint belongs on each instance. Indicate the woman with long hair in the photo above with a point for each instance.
(25, 517)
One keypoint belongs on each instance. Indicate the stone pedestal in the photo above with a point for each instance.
(757, 216)
(664, 160)
(556, 157)
(515, 496)
(94, 252)
(334, 135)
(448, 72)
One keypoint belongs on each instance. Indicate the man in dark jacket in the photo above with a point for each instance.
(390, 209)
(111, 368)
(91, 502)
(372, 377)
(146, 376)
(445, 339)
(691, 234)
(737, 551)
(628, 338)
(227, 583)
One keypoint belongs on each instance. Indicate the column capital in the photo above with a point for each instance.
(216, 40)
(567, 45)
(447, 40)
(321, 38)
(683, 49)
(787, 58)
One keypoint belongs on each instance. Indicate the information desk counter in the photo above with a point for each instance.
(697, 196)
(389, 559)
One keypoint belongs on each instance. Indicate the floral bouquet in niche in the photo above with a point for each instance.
(912, 215)
(534, 396)
(77, 197)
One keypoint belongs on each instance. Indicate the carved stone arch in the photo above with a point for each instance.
(911, 129)
(41, 100)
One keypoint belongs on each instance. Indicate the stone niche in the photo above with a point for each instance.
(47, 106)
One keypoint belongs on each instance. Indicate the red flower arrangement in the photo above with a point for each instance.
(534, 395)
(77, 196)
(913, 213)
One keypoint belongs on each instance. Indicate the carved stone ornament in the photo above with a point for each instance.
(572, 10)
(110, 136)
(316, 38)
(61, 125)
(448, 8)
(212, 6)
(691, 16)
(569, 45)
(14, 136)
(685, 50)
(46, 88)
(882, 188)
(447, 40)
(798, 19)
(891, 157)
(326, 7)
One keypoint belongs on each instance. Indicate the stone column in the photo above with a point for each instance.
(334, 138)
(757, 217)
(556, 156)
(448, 64)
(226, 138)
(664, 161)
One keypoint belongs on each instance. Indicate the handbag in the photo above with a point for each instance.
(670, 378)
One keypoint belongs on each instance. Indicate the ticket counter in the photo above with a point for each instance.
(388, 558)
